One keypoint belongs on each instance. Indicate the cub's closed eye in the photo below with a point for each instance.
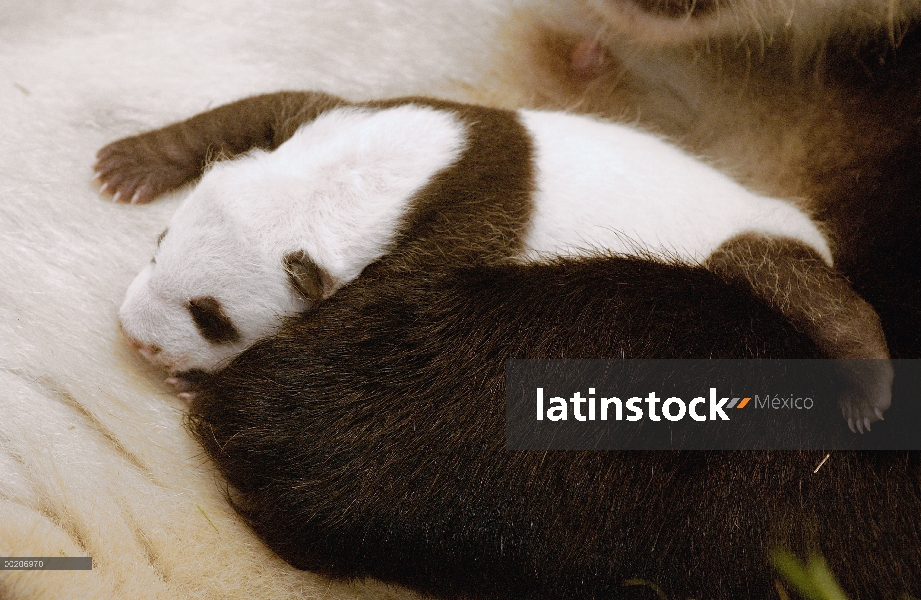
(211, 320)
(159, 239)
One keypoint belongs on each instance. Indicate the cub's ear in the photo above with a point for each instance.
(308, 277)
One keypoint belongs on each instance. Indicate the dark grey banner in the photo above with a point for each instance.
(713, 404)
(46, 563)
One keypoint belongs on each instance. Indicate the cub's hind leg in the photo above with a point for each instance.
(792, 278)
(136, 169)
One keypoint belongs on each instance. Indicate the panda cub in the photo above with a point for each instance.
(324, 188)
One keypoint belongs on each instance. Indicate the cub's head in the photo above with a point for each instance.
(221, 278)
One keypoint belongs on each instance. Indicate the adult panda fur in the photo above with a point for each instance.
(367, 438)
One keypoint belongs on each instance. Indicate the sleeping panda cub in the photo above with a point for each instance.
(322, 188)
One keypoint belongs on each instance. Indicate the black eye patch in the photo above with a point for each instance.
(211, 320)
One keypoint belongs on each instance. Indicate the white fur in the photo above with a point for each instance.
(606, 186)
(337, 190)
(340, 186)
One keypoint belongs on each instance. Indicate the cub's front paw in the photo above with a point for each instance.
(868, 393)
(138, 169)
(187, 383)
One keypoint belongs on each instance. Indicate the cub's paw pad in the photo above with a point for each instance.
(137, 169)
(868, 394)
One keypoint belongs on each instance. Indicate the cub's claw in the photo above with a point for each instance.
(186, 384)
(869, 392)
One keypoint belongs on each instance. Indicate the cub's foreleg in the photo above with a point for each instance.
(136, 169)
(819, 302)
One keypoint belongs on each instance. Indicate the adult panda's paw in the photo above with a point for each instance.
(137, 169)
(868, 393)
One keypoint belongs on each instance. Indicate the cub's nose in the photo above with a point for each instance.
(148, 351)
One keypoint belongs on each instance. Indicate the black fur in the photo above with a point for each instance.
(873, 200)
(367, 439)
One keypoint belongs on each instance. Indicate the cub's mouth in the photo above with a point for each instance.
(153, 353)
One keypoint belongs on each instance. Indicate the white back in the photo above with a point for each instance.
(606, 186)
